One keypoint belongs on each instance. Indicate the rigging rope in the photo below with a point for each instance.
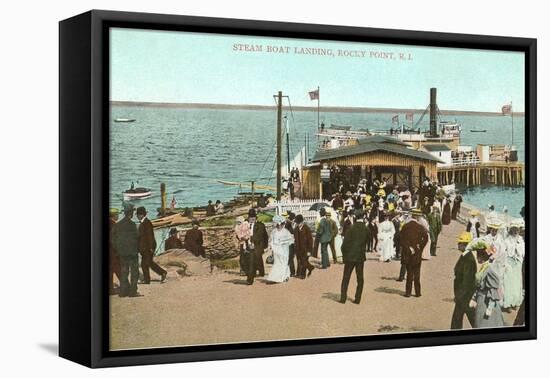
(421, 117)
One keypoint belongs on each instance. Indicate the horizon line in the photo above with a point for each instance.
(344, 109)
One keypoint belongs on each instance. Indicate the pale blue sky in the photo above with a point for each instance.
(162, 66)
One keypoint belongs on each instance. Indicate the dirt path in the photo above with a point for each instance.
(220, 308)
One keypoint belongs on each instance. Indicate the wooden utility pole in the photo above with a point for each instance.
(279, 134)
(162, 198)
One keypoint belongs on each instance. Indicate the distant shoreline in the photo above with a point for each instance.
(323, 109)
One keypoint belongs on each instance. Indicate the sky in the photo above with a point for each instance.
(181, 67)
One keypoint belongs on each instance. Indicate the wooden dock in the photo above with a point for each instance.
(496, 173)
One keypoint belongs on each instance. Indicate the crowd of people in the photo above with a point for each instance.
(376, 217)
(396, 226)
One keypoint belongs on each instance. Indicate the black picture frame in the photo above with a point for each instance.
(83, 182)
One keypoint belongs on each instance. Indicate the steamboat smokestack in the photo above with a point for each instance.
(433, 112)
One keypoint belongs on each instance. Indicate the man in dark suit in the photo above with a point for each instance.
(147, 247)
(464, 283)
(124, 236)
(353, 252)
(114, 260)
(303, 243)
(194, 240)
(289, 225)
(258, 243)
(413, 239)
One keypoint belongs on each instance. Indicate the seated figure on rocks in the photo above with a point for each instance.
(194, 240)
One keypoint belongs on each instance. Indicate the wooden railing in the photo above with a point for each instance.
(463, 162)
(298, 206)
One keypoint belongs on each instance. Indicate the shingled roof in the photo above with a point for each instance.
(372, 144)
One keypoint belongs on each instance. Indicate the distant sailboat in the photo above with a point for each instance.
(125, 120)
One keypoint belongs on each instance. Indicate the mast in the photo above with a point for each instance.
(287, 147)
(318, 107)
(279, 132)
(305, 149)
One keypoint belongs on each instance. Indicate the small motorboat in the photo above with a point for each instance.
(478, 131)
(126, 120)
(136, 193)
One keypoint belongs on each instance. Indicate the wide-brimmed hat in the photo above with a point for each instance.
(494, 223)
(517, 223)
(113, 212)
(481, 245)
(474, 212)
(464, 237)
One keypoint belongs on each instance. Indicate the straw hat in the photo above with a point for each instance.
(494, 223)
(474, 212)
(113, 212)
(517, 223)
(464, 237)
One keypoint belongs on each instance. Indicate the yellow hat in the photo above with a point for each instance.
(474, 212)
(113, 212)
(464, 237)
(381, 193)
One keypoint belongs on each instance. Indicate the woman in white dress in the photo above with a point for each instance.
(386, 231)
(281, 239)
(513, 277)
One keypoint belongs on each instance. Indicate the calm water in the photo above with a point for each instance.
(189, 149)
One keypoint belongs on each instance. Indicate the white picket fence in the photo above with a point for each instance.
(298, 206)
